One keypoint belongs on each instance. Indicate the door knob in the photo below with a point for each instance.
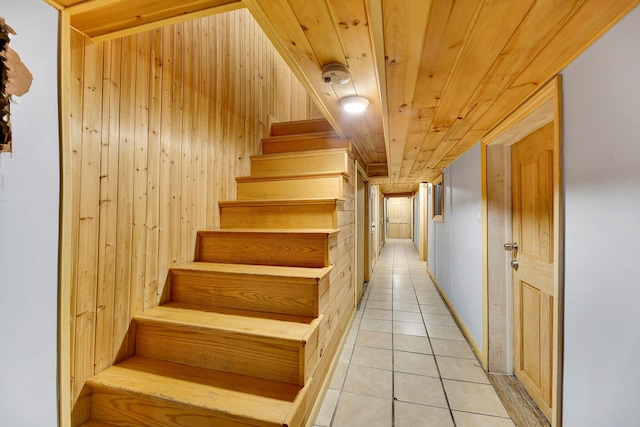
(511, 246)
(515, 264)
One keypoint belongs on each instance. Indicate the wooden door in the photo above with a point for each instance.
(532, 228)
(399, 218)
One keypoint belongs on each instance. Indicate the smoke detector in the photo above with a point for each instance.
(335, 74)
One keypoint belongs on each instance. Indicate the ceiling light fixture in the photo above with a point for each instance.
(354, 104)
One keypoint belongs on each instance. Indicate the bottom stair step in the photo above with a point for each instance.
(143, 392)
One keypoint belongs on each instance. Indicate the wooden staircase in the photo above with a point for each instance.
(253, 323)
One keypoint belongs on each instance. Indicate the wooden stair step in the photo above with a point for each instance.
(281, 214)
(246, 313)
(325, 185)
(148, 392)
(286, 290)
(263, 348)
(300, 127)
(300, 163)
(291, 248)
(304, 142)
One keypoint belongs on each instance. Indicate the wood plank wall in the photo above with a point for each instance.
(161, 123)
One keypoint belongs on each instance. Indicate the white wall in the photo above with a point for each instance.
(602, 230)
(458, 241)
(29, 194)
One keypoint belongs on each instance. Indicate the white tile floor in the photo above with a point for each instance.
(405, 362)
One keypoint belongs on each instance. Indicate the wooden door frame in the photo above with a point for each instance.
(65, 268)
(540, 109)
(362, 226)
(423, 249)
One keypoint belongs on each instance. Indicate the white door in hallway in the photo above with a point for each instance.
(399, 217)
(532, 230)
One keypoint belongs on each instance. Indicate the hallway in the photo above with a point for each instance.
(405, 362)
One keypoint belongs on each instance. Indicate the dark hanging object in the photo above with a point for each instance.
(5, 125)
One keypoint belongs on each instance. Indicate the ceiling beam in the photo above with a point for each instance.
(102, 20)
(376, 35)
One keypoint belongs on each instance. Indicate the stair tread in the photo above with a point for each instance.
(281, 202)
(236, 396)
(257, 270)
(309, 175)
(183, 316)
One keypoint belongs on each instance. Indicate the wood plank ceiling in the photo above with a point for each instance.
(439, 74)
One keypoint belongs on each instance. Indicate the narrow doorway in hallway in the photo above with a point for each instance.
(406, 362)
(532, 228)
(399, 217)
(522, 229)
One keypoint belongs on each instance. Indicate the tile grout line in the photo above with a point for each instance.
(393, 366)
(433, 353)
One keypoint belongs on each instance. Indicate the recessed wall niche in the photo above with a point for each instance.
(5, 124)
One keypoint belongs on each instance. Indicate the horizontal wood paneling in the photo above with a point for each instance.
(161, 124)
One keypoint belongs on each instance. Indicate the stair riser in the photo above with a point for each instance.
(298, 165)
(245, 292)
(222, 351)
(122, 409)
(300, 127)
(275, 146)
(280, 217)
(263, 249)
(325, 187)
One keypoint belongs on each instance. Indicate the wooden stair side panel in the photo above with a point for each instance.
(292, 249)
(300, 163)
(318, 186)
(337, 301)
(279, 214)
(261, 348)
(299, 143)
(302, 405)
(251, 290)
(149, 392)
(300, 127)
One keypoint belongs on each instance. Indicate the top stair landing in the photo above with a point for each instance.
(300, 127)
(308, 142)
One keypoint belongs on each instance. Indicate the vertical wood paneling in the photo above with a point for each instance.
(75, 134)
(89, 191)
(161, 124)
(124, 139)
(153, 171)
(165, 242)
(108, 205)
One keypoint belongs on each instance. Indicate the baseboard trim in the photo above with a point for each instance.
(456, 317)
